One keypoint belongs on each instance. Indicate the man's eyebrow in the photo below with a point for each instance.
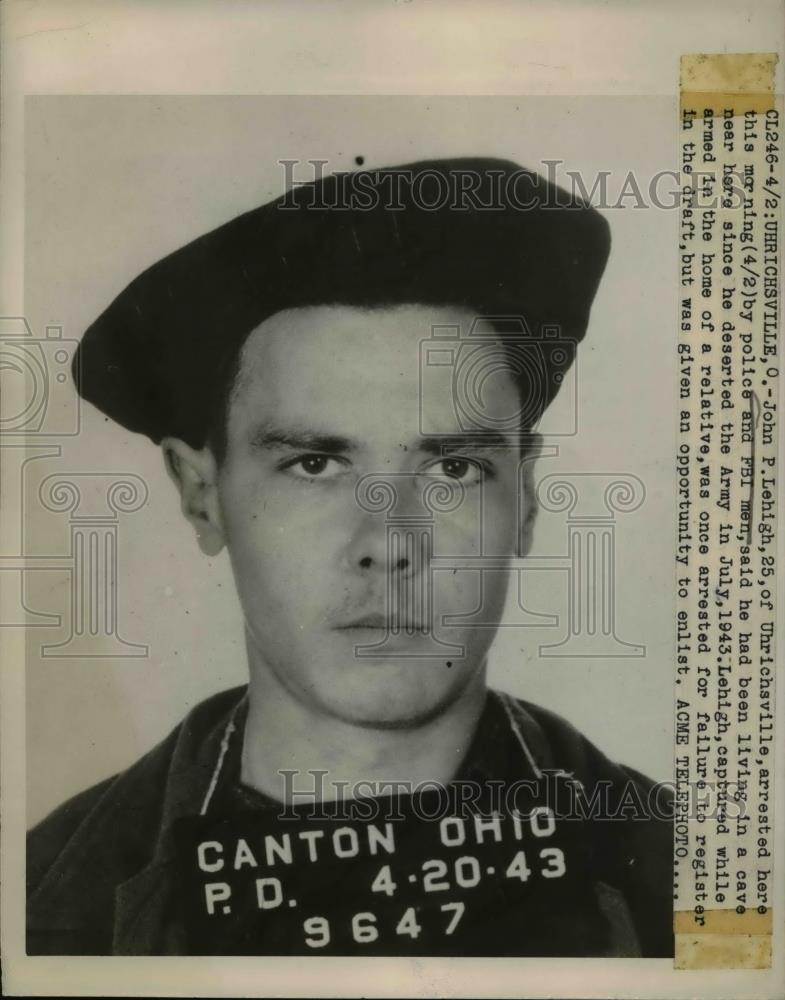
(481, 441)
(305, 439)
(301, 439)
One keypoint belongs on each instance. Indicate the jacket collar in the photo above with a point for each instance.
(196, 767)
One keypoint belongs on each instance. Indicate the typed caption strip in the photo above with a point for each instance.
(729, 280)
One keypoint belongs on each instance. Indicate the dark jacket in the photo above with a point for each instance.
(99, 867)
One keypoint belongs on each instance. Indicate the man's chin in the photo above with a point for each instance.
(382, 717)
(392, 695)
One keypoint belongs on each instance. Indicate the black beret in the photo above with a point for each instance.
(482, 234)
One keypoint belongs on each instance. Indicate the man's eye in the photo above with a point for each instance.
(465, 470)
(314, 467)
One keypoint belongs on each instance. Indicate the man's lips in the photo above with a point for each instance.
(375, 620)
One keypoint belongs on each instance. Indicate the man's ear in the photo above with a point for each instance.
(194, 473)
(527, 501)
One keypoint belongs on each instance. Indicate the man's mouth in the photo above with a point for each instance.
(382, 622)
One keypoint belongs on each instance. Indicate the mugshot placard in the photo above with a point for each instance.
(415, 885)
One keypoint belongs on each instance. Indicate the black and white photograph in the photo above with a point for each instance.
(350, 432)
(347, 387)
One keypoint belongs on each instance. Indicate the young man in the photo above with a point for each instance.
(368, 514)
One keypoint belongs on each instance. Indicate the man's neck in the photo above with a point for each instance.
(284, 735)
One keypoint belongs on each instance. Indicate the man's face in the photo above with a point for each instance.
(324, 397)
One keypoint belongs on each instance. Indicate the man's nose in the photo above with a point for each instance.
(391, 541)
(379, 545)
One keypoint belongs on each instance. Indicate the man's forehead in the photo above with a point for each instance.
(336, 366)
(336, 343)
(323, 329)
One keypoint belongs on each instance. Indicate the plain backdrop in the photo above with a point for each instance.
(113, 183)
